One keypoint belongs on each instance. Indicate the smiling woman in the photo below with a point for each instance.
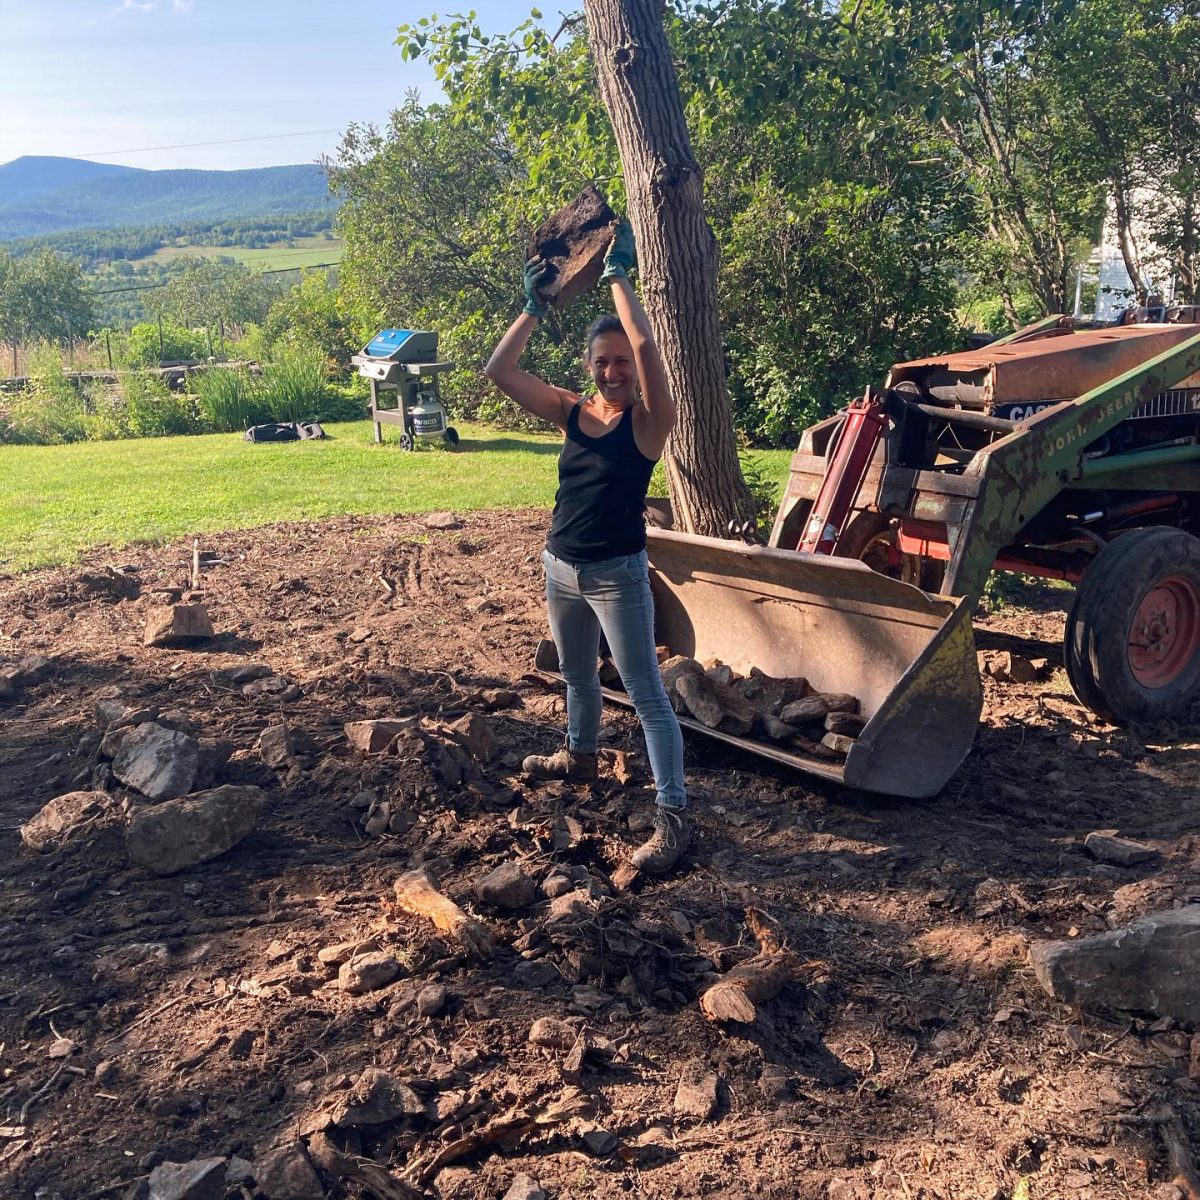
(597, 578)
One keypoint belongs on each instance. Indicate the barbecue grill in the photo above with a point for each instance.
(404, 363)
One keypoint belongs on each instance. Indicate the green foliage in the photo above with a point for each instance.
(295, 386)
(205, 291)
(42, 297)
(49, 411)
(228, 399)
(154, 410)
(309, 316)
(143, 348)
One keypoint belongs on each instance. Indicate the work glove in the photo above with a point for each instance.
(622, 253)
(537, 275)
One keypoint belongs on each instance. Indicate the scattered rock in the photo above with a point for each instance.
(431, 999)
(696, 1095)
(160, 763)
(203, 1179)
(65, 815)
(552, 1033)
(334, 956)
(107, 1073)
(1148, 966)
(178, 625)
(442, 520)
(179, 834)
(249, 673)
(134, 959)
(525, 1187)
(1010, 668)
(817, 707)
(279, 744)
(368, 973)
(848, 724)
(287, 1174)
(839, 743)
(1105, 845)
(377, 1099)
(373, 737)
(476, 735)
(506, 887)
(600, 1142)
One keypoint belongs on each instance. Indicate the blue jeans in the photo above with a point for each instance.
(613, 596)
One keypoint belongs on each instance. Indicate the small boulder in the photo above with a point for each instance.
(1149, 966)
(287, 1174)
(431, 999)
(373, 737)
(57, 821)
(847, 724)
(1011, 668)
(202, 1179)
(442, 520)
(476, 734)
(525, 1187)
(368, 973)
(696, 1095)
(506, 887)
(839, 743)
(181, 833)
(552, 1034)
(676, 668)
(377, 1099)
(1106, 846)
(249, 673)
(279, 744)
(160, 763)
(178, 625)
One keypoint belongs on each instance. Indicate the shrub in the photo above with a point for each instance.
(154, 410)
(142, 347)
(228, 399)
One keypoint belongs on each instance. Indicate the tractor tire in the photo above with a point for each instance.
(1132, 640)
(871, 538)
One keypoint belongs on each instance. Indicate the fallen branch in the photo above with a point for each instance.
(1179, 1155)
(510, 1127)
(416, 894)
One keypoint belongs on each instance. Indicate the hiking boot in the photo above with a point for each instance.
(669, 839)
(562, 764)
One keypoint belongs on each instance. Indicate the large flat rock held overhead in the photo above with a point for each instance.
(1149, 966)
(574, 241)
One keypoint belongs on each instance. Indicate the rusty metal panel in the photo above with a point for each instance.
(1053, 368)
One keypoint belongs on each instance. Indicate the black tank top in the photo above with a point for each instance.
(601, 494)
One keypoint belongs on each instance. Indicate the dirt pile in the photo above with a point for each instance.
(415, 974)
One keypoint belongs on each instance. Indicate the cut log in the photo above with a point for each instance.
(574, 241)
(735, 995)
(416, 894)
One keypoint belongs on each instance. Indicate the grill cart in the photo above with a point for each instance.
(404, 362)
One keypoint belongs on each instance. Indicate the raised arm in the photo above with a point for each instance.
(658, 405)
(534, 395)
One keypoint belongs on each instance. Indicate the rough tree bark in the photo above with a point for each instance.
(677, 257)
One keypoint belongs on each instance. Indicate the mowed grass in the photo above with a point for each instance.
(58, 502)
(307, 252)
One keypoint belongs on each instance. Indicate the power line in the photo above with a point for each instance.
(265, 137)
(146, 287)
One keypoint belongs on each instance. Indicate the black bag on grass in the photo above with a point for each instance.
(284, 431)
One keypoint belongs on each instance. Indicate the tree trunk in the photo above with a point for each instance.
(677, 254)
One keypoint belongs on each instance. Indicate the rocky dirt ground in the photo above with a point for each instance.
(217, 1013)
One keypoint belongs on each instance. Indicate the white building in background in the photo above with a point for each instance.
(1116, 291)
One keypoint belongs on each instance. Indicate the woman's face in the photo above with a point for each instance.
(611, 363)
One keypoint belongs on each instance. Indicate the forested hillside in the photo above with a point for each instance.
(50, 195)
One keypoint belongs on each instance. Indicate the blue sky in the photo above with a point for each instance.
(102, 78)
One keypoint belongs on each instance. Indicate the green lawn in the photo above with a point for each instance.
(307, 252)
(58, 501)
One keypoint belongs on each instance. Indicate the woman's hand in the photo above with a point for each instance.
(538, 275)
(622, 252)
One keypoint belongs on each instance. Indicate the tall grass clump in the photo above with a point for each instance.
(50, 410)
(295, 386)
(154, 410)
(228, 399)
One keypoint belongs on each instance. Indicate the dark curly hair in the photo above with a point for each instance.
(608, 323)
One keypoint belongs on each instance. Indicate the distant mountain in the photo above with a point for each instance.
(40, 195)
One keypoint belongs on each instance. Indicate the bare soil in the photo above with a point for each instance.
(920, 1059)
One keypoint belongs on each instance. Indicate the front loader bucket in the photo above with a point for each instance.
(908, 656)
